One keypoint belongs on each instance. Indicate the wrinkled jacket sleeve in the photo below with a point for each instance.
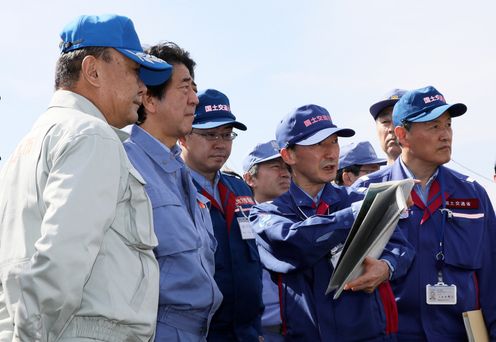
(79, 201)
(287, 244)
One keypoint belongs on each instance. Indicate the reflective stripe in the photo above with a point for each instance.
(467, 216)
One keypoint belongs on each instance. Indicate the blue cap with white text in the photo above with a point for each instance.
(214, 110)
(361, 153)
(261, 153)
(423, 105)
(114, 31)
(308, 125)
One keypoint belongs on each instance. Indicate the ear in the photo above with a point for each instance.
(347, 179)
(401, 133)
(149, 102)
(288, 156)
(90, 70)
(248, 179)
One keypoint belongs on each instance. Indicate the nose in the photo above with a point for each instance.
(332, 152)
(284, 172)
(193, 98)
(446, 134)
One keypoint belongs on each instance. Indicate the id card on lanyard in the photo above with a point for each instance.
(441, 293)
(247, 232)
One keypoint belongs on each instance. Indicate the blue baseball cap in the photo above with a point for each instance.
(390, 100)
(214, 110)
(422, 105)
(361, 153)
(308, 125)
(261, 153)
(114, 31)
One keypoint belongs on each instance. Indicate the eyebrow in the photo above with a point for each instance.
(187, 79)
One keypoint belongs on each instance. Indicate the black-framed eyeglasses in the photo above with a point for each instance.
(210, 136)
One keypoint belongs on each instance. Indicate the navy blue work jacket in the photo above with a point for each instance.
(295, 244)
(469, 238)
(238, 270)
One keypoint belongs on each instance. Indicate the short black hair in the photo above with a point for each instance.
(174, 55)
(355, 169)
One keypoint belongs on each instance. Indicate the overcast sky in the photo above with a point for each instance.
(270, 56)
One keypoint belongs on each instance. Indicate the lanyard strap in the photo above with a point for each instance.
(440, 232)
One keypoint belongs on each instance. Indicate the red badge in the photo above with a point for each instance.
(244, 200)
(462, 203)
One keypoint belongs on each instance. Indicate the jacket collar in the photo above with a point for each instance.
(163, 156)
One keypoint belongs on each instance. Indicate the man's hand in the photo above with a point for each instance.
(374, 273)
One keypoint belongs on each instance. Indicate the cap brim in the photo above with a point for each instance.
(454, 110)
(249, 162)
(378, 161)
(215, 124)
(324, 134)
(275, 156)
(378, 107)
(153, 71)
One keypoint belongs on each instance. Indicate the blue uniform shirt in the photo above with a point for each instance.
(295, 242)
(238, 271)
(470, 255)
(189, 295)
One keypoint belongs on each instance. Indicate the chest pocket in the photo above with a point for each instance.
(133, 219)
(174, 227)
(464, 237)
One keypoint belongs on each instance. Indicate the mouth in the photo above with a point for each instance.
(329, 167)
(391, 142)
(218, 156)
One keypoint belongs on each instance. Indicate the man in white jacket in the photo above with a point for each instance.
(76, 235)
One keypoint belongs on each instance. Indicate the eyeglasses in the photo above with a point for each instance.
(210, 136)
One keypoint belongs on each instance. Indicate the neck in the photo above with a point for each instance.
(210, 176)
(310, 189)
(153, 129)
(421, 170)
(260, 198)
(390, 160)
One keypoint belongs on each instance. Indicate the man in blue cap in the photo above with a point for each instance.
(268, 177)
(300, 232)
(382, 112)
(355, 160)
(265, 172)
(238, 272)
(451, 226)
(186, 242)
(75, 224)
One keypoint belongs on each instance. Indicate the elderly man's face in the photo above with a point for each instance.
(121, 89)
(385, 132)
(428, 143)
(272, 180)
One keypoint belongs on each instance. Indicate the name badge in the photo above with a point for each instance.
(245, 228)
(440, 294)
